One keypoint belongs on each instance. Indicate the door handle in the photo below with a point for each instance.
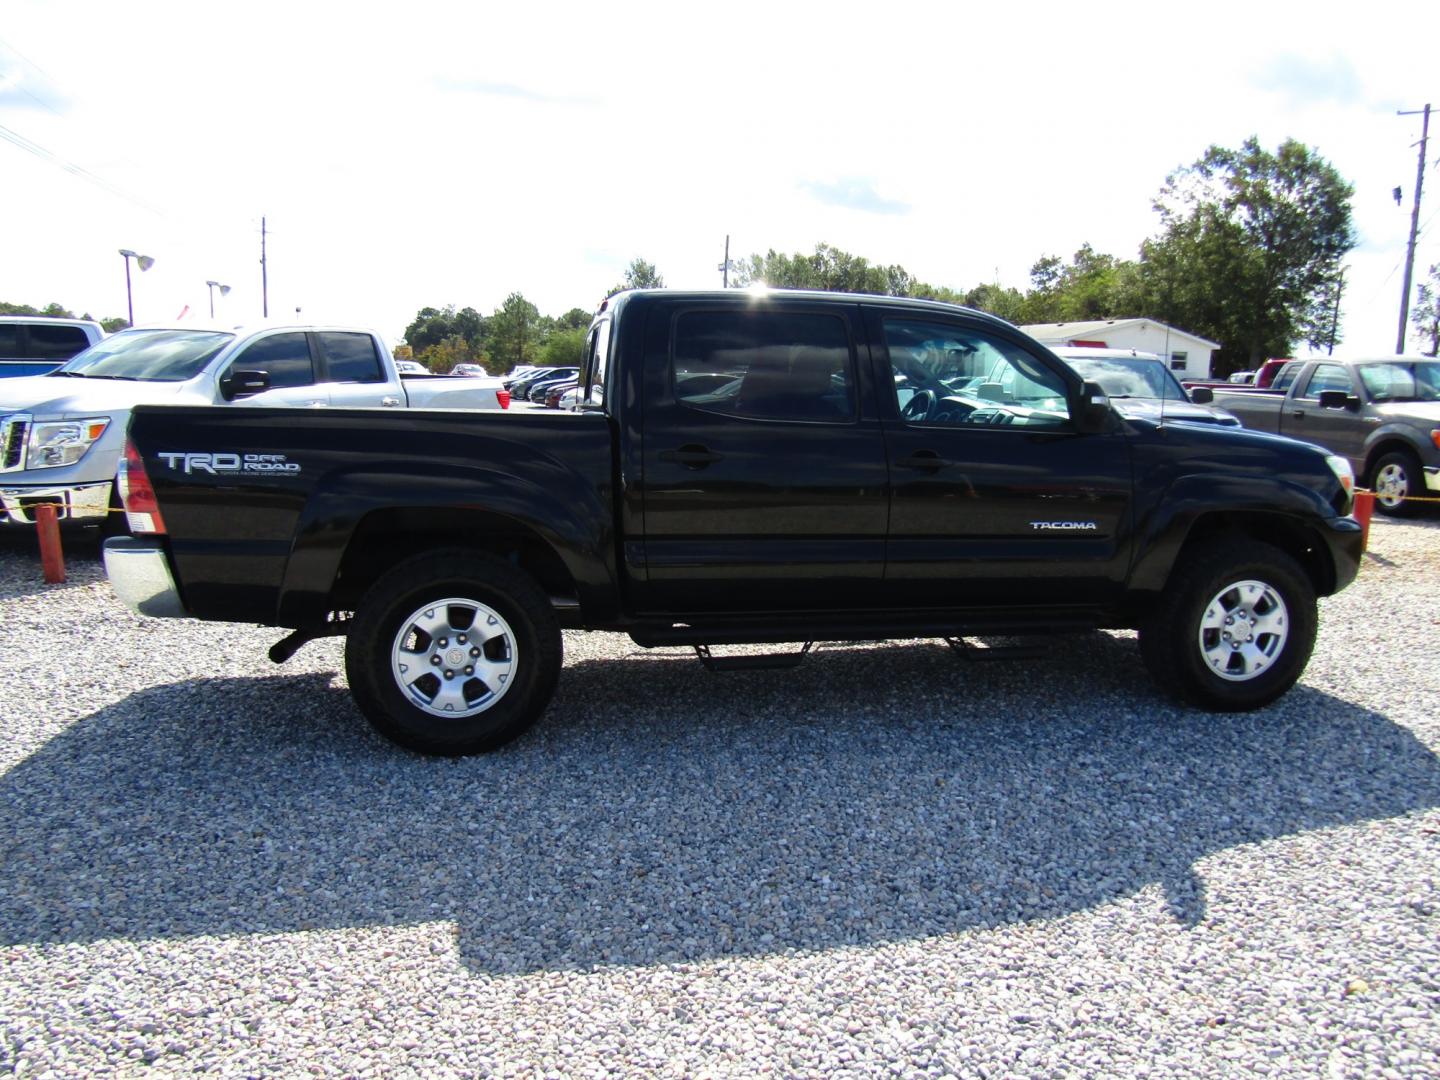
(924, 459)
(1298, 414)
(691, 456)
(389, 402)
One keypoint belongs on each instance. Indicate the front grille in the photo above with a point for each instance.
(13, 431)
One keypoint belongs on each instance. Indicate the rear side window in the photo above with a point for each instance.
(765, 365)
(9, 341)
(284, 357)
(351, 358)
(56, 342)
(1327, 377)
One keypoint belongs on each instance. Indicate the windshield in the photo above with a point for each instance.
(1128, 377)
(1402, 380)
(147, 355)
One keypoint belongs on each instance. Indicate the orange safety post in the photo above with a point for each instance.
(1364, 507)
(52, 559)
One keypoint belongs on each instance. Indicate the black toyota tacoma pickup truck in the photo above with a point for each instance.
(746, 466)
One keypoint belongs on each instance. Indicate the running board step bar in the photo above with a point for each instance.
(750, 663)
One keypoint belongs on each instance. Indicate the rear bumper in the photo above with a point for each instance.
(140, 574)
(73, 502)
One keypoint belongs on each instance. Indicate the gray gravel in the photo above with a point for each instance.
(889, 862)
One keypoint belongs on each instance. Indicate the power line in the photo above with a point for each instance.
(15, 138)
(36, 67)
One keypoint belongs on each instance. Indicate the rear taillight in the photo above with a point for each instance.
(503, 396)
(142, 512)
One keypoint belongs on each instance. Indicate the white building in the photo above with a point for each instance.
(1189, 354)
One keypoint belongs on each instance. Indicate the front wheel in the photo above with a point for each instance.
(1234, 628)
(453, 653)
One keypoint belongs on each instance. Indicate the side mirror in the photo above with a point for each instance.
(242, 383)
(1095, 415)
(1202, 395)
(1338, 399)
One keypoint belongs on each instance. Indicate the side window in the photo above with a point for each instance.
(1178, 361)
(765, 365)
(350, 358)
(284, 357)
(1327, 377)
(953, 375)
(9, 341)
(56, 342)
(1286, 377)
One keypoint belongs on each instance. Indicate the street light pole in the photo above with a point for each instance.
(224, 291)
(145, 262)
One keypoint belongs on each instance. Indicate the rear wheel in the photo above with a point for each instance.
(1397, 479)
(1234, 629)
(453, 653)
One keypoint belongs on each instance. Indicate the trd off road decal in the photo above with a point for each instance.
(191, 462)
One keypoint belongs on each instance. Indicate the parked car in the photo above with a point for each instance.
(1382, 414)
(848, 488)
(411, 367)
(540, 387)
(61, 434)
(1139, 384)
(1242, 378)
(520, 388)
(36, 344)
(555, 391)
(471, 370)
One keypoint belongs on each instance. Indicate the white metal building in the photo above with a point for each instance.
(1189, 354)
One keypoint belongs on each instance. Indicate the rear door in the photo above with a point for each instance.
(1340, 430)
(352, 370)
(996, 499)
(764, 477)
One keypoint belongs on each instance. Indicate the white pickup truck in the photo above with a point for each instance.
(62, 434)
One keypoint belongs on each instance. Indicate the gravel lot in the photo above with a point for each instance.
(888, 862)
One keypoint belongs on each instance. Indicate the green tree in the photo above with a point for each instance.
(433, 325)
(996, 299)
(638, 275)
(1250, 251)
(563, 348)
(829, 269)
(514, 334)
(1425, 315)
(575, 319)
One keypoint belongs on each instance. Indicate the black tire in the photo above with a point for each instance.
(1397, 479)
(1195, 655)
(517, 648)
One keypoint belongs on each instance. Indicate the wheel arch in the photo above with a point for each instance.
(1207, 529)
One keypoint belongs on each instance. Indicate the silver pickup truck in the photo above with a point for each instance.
(1383, 414)
(62, 434)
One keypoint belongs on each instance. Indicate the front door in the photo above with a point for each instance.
(764, 479)
(997, 498)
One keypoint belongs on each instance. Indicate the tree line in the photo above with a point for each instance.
(56, 311)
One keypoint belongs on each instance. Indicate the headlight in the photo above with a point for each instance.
(1343, 472)
(62, 442)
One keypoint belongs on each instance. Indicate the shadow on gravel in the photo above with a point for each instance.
(660, 813)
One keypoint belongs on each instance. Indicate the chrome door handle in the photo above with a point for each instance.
(389, 402)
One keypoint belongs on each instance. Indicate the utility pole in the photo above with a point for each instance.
(724, 267)
(264, 275)
(1414, 226)
(1335, 320)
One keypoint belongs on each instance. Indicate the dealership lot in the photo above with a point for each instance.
(888, 861)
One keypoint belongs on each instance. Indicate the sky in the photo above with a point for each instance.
(425, 154)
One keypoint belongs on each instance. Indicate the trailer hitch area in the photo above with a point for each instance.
(752, 662)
